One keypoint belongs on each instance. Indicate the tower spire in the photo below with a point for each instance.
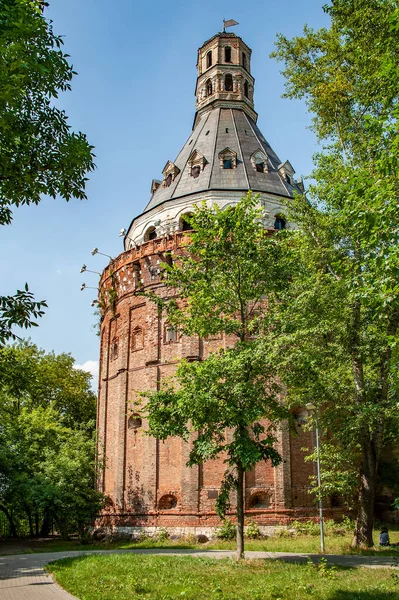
(224, 74)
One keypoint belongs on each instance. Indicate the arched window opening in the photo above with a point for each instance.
(259, 500)
(228, 82)
(300, 416)
(134, 421)
(246, 89)
(185, 225)
(150, 234)
(209, 89)
(167, 502)
(209, 59)
(260, 167)
(195, 171)
(244, 60)
(337, 501)
(168, 180)
(227, 54)
(279, 223)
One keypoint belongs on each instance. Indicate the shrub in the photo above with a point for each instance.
(162, 534)
(226, 531)
(253, 531)
(285, 533)
(330, 527)
(306, 527)
(190, 538)
(341, 528)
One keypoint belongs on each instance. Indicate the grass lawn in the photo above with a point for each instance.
(335, 544)
(127, 577)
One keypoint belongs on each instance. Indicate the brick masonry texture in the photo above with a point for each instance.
(146, 480)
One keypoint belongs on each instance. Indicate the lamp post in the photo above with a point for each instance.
(97, 251)
(84, 269)
(312, 409)
(87, 287)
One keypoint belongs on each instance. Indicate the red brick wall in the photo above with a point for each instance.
(140, 470)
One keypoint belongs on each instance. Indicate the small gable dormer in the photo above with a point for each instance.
(228, 159)
(155, 185)
(169, 173)
(286, 170)
(259, 161)
(196, 163)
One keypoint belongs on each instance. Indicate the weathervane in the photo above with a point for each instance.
(228, 23)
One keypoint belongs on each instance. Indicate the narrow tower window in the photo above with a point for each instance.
(137, 339)
(246, 89)
(209, 90)
(170, 334)
(168, 180)
(227, 54)
(244, 60)
(209, 59)
(227, 163)
(114, 349)
(228, 82)
(279, 223)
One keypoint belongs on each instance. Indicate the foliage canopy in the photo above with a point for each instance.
(39, 153)
(338, 341)
(47, 415)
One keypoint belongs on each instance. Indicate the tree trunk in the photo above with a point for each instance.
(45, 529)
(240, 512)
(365, 512)
(29, 515)
(13, 529)
(372, 447)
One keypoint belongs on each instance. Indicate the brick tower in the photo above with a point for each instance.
(147, 481)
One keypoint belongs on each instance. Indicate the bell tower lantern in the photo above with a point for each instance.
(224, 75)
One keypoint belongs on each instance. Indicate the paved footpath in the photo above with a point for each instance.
(23, 577)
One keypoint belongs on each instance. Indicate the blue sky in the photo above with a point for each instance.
(134, 98)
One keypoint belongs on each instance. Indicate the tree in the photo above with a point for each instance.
(18, 310)
(39, 154)
(47, 416)
(230, 401)
(339, 317)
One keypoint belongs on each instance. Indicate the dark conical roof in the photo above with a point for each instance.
(216, 130)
